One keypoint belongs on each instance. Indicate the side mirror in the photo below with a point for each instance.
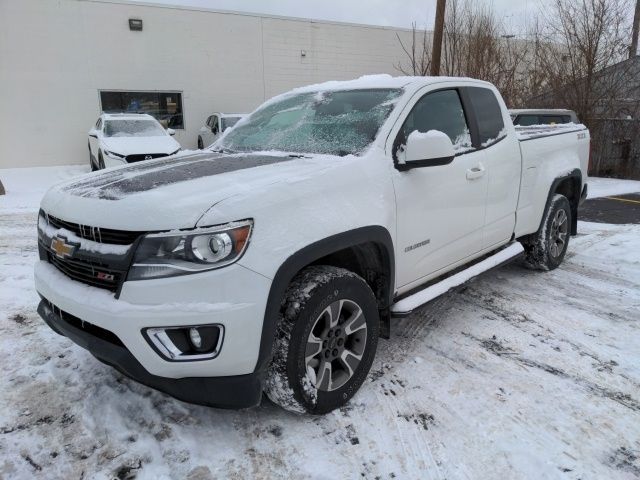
(171, 131)
(427, 150)
(214, 129)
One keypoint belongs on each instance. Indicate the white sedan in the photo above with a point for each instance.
(121, 138)
(215, 125)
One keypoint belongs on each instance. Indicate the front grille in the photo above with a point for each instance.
(90, 273)
(96, 234)
(87, 327)
(143, 156)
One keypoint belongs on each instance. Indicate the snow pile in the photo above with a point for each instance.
(604, 187)
(26, 186)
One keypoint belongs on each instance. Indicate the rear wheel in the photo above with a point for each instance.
(547, 248)
(326, 341)
(200, 143)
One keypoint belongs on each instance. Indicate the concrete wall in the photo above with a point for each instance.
(55, 56)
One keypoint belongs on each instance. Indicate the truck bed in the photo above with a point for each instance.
(536, 131)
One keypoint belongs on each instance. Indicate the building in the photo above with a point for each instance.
(63, 62)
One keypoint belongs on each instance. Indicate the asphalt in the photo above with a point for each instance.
(617, 209)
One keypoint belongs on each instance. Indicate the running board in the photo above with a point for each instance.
(410, 303)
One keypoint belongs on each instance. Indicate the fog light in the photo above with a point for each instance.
(186, 343)
(196, 339)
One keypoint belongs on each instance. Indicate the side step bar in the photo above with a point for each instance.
(407, 305)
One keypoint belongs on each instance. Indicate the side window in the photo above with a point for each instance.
(99, 124)
(552, 119)
(526, 120)
(214, 124)
(441, 110)
(489, 115)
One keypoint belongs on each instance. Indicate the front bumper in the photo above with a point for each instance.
(240, 391)
(234, 297)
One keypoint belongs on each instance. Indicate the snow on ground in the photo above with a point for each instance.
(604, 187)
(520, 375)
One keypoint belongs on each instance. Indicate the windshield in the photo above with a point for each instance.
(339, 123)
(133, 128)
(229, 122)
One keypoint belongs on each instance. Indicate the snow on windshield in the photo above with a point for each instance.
(133, 128)
(339, 122)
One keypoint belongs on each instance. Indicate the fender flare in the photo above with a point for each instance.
(307, 255)
(577, 175)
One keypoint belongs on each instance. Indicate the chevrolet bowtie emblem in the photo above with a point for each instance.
(61, 248)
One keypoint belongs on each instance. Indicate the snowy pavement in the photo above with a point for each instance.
(520, 375)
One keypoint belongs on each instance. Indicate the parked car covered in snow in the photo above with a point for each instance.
(121, 138)
(274, 261)
(542, 116)
(215, 125)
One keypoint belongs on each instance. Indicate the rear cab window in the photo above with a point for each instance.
(488, 115)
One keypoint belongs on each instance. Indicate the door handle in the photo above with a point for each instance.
(475, 172)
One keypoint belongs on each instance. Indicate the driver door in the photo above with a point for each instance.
(440, 209)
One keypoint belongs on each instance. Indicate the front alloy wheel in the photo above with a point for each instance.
(335, 345)
(325, 342)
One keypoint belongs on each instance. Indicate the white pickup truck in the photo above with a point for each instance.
(275, 260)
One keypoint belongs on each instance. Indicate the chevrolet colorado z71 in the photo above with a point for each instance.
(275, 260)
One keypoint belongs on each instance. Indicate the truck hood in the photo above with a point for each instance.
(138, 145)
(175, 192)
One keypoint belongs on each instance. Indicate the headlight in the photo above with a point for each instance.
(169, 254)
(113, 154)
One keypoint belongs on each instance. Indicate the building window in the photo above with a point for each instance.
(166, 107)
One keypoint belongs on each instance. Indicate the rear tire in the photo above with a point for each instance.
(326, 341)
(545, 250)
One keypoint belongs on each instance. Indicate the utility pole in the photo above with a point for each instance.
(633, 49)
(437, 38)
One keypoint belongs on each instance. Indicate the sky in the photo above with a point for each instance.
(396, 13)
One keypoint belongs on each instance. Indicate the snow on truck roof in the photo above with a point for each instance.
(379, 81)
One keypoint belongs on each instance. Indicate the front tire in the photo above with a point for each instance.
(326, 341)
(200, 143)
(100, 161)
(547, 248)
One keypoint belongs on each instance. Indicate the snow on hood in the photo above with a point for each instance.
(139, 145)
(174, 192)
